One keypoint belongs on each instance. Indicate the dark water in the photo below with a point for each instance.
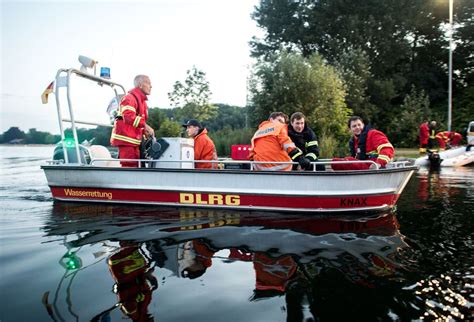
(83, 262)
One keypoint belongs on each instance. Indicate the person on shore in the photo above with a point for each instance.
(204, 148)
(130, 124)
(304, 138)
(366, 144)
(271, 143)
(427, 136)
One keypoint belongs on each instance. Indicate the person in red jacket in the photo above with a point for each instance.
(448, 139)
(204, 148)
(135, 282)
(271, 143)
(130, 125)
(366, 144)
(427, 136)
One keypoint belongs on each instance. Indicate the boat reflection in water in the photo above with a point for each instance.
(325, 267)
(445, 183)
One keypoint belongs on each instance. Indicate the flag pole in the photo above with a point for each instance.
(450, 72)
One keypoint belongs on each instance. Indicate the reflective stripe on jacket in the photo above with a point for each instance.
(306, 141)
(271, 143)
(376, 148)
(130, 123)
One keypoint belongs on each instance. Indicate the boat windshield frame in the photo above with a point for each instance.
(63, 79)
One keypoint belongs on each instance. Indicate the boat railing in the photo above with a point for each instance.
(220, 164)
(63, 79)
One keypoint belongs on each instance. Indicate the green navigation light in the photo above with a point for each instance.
(71, 261)
(69, 142)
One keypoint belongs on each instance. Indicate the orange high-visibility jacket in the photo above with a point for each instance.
(204, 149)
(271, 143)
(130, 123)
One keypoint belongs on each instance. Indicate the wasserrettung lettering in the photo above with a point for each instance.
(268, 130)
(82, 193)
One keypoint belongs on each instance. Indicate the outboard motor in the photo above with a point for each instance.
(435, 159)
(70, 145)
(152, 149)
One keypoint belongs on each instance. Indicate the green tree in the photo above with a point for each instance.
(354, 67)
(288, 82)
(463, 108)
(101, 135)
(225, 138)
(404, 130)
(156, 117)
(13, 133)
(232, 117)
(169, 128)
(38, 137)
(193, 96)
(405, 42)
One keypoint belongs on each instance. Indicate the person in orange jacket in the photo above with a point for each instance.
(427, 136)
(448, 139)
(272, 143)
(204, 148)
(366, 144)
(130, 124)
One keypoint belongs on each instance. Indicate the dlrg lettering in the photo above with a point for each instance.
(209, 199)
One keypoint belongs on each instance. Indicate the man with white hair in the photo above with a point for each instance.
(130, 124)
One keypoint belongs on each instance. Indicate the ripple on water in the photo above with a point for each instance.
(445, 297)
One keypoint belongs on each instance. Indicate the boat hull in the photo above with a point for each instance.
(231, 189)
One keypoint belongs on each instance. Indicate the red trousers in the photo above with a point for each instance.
(129, 152)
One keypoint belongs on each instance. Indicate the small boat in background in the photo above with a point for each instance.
(456, 157)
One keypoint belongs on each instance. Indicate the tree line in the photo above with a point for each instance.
(386, 61)
(226, 128)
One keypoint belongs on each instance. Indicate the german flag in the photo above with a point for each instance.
(47, 91)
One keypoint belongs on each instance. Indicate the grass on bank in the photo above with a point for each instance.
(406, 153)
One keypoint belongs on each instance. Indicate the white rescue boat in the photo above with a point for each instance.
(89, 174)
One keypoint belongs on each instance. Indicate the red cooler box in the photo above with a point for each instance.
(240, 152)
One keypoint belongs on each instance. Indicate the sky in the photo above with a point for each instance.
(160, 38)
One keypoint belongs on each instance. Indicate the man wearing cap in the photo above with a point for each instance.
(204, 148)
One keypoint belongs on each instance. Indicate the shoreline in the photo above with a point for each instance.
(24, 145)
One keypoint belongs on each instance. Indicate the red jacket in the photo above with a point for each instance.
(130, 124)
(273, 273)
(446, 137)
(424, 133)
(129, 269)
(204, 149)
(377, 148)
(271, 143)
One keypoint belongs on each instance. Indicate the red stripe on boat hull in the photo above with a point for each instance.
(244, 201)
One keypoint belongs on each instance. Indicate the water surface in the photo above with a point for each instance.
(82, 262)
